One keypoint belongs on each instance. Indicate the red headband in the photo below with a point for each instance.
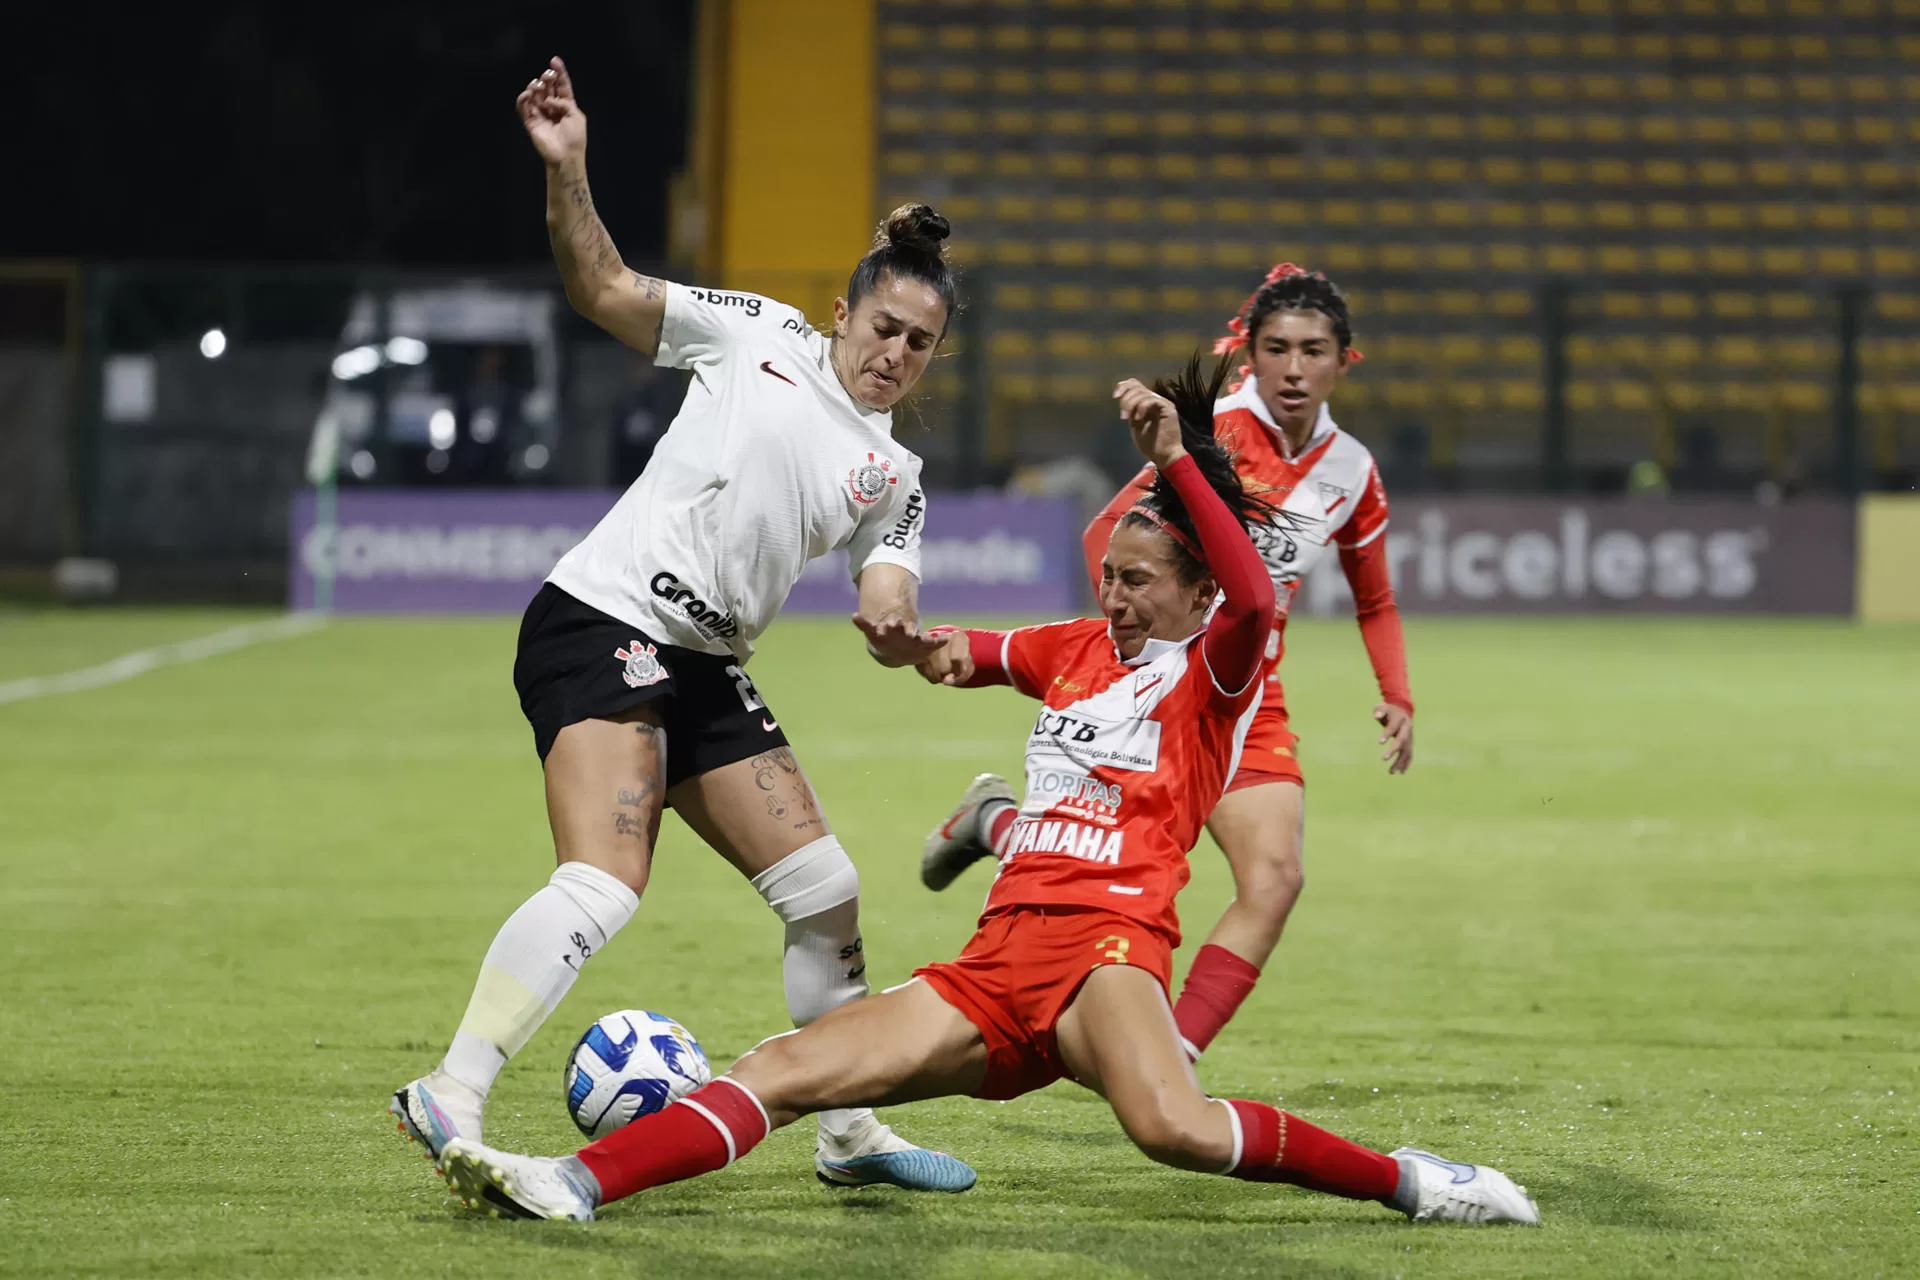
(1237, 334)
(1161, 523)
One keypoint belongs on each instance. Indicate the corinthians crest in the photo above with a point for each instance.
(643, 665)
(870, 479)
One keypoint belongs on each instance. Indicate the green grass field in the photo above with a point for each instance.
(1642, 928)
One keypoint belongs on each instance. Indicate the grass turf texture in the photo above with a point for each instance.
(1638, 928)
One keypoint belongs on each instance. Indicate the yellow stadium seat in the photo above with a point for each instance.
(1457, 213)
(903, 163)
(1734, 306)
(1494, 85)
(1399, 257)
(1789, 306)
(1891, 261)
(1343, 213)
(1124, 253)
(1729, 259)
(1016, 253)
(1070, 253)
(1021, 388)
(1010, 344)
(1069, 345)
(1123, 166)
(1601, 88)
(1447, 169)
(1130, 346)
(958, 37)
(1068, 164)
(1676, 306)
(1509, 257)
(1179, 211)
(1673, 259)
(1757, 87)
(1067, 123)
(1395, 213)
(1181, 254)
(1009, 81)
(1880, 173)
(1659, 128)
(1771, 173)
(1129, 298)
(900, 36)
(1232, 166)
(1014, 164)
(1620, 258)
(1181, 167)
(1717, 173)
(1888, 217)
(1564, 257)
(1011, 39)
(1622, 306)
(1779, 217)
(1338, 169)
(1665, 173)
(1767, 129)
(1392, 170)
(1070, 388)
(1015, 297)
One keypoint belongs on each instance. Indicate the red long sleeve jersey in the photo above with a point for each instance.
(1332, 489)
(1124, 763)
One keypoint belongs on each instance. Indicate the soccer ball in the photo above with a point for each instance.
(631, 1064)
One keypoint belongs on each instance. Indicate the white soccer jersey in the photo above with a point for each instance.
(769, 464)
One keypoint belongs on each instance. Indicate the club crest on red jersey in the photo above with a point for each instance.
(643, 665)
(870, 479)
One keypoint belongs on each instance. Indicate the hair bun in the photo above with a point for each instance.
(918, 228)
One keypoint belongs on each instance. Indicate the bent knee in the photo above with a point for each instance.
(1178, 1136)
(1272, 879)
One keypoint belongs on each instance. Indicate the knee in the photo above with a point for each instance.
(1173, 1131)
(1271, 879)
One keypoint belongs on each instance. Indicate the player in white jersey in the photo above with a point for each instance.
(631, 659)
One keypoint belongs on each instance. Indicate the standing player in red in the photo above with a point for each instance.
(1299, 342)
(1142, 721)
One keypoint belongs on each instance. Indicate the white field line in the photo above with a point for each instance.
(141, 661)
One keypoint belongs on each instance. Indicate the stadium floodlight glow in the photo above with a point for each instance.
(356, 363)
(483, 426)
(440, 429)
(535, 457)
(213, 344)
(404, 350)
(361, 464)
(437, 461)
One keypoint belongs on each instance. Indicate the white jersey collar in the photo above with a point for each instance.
(1248, 398)
(1153, 650)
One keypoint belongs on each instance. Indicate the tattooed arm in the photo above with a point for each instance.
(625, 303)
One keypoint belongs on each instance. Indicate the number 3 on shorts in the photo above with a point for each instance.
(1114, 948)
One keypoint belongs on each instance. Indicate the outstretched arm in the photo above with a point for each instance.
(889, 616)
(625, 303)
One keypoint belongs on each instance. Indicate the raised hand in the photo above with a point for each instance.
(1154, 421)
(552, 116)
(952, 663)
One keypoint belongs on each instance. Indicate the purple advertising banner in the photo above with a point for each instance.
(1535, 555)
(451, 551)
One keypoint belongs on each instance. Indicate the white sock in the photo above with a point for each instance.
(532, 963)
(816, 891)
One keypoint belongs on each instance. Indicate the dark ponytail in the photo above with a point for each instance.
(1193, 394)
(909, 243)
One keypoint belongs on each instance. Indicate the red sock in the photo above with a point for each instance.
(999, 825)
(1216, 984)
(1277, 1147)
(708, 1129)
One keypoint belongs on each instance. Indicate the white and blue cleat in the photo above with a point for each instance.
(1449, 1191)
(428, 1119)
(503, 1185)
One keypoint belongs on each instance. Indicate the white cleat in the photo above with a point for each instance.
(959, 842)
(503, 1185)
(1454, 1192)
(434, 1112)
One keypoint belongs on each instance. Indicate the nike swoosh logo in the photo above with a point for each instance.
(946, 829)
(1461, 1173)
(768, 725)
(766, 366)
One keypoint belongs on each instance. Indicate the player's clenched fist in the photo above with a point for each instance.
(551, 115)
(1154, 422)
(952, 662)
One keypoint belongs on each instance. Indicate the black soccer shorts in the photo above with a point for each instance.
(576, 663)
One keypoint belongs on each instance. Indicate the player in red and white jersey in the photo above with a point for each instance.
(1298, 341)
(1143, 715)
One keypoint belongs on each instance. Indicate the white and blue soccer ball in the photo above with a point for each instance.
(631, 1064)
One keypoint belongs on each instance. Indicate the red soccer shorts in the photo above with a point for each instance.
(1021, 971)
(1268, 755)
